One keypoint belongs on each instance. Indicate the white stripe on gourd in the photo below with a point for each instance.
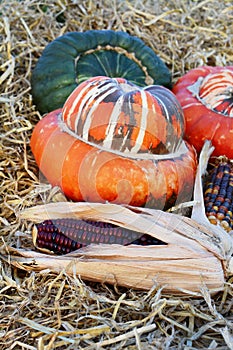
(109, 135)
(144, 112)
(72, 108)
(89, 115)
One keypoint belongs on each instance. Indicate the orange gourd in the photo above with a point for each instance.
(116, 142)
(206, 96)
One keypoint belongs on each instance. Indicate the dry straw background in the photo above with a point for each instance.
(48, 311)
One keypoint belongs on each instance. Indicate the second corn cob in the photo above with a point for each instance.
(218, 193)
(65, 235)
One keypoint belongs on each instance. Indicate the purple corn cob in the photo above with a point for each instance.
(63, 236)
(218, 194)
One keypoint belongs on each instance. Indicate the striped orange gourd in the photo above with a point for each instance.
(114, 141)
(206, 96)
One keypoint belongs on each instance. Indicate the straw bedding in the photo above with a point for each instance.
(49, 311)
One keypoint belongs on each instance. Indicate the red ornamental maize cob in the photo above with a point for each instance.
(63, 236)
(218, 193)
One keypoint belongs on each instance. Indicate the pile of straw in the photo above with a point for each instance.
(44, 310)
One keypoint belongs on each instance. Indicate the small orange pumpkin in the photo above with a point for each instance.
(116, 142)
(206, 96)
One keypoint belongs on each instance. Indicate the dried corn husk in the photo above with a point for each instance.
(197, 254)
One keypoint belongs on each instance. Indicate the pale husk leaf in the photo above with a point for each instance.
(224, 239)
(183, 263)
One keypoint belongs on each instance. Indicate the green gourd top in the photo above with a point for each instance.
(77, 56)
